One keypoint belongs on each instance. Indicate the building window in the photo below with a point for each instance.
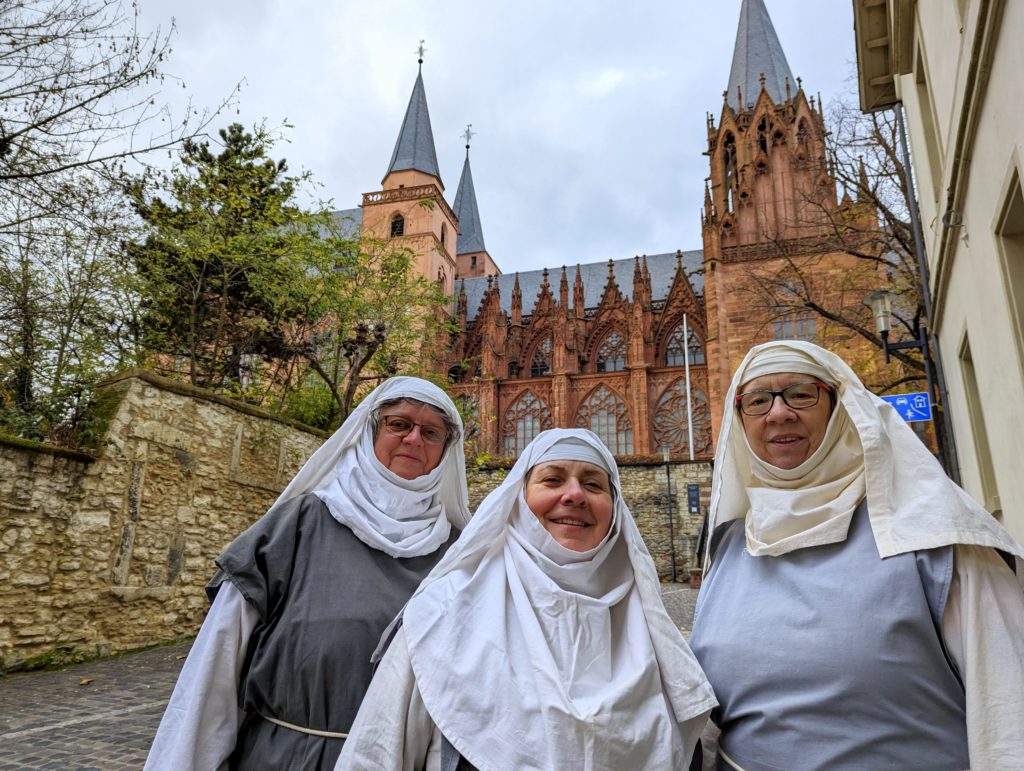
(611, 356)
(801, 325)
(540, 362)
(989, 491)
(729, 169)
(444, 234)
(524, 419)
(604, 413)
(671, 427)
(1010, 232)
(472, 262)
(674, 348)
(933, 152)
(397, 226)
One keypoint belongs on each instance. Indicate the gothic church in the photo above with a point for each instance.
(639, 350)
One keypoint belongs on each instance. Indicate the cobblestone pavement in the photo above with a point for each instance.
(101, 716)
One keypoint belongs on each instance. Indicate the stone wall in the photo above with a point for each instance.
(108, 552)
(105, 554)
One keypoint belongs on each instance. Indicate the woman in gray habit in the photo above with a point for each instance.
(281, 664)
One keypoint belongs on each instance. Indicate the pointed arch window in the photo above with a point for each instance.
(397, 226)
(444, 234)
(674, 349)
(729, 169)
(524, 419)
(670, 426)
(611, 356)
(604, 413)
(540, 362)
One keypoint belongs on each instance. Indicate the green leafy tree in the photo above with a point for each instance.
(223, 264)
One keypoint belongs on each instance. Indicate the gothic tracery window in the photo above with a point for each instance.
(540, 362)
(670, 423)
(674, 349)
(397, 225)
(526, 417)
(611, 356)
(729, 175)
(604, 413)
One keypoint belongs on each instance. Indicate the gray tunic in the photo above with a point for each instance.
(323, 599)
(830, 657)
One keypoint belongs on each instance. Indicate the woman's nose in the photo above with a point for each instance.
(573, 491)
(780, 410)
(414, 436)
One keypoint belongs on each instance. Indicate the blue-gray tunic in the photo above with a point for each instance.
(830, 657)
(323, 598)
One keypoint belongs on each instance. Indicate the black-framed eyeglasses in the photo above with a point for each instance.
(799, 396)
(399, 426)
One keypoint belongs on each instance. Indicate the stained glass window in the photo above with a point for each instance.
(670, 426)
(540, 364)
(674, 348)
(604, 413)
(611, 356)
(524, 419)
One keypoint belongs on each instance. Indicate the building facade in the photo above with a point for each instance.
(954, 70)
(641, 349)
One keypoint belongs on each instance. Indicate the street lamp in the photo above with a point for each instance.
(880, 303)
(665, 455)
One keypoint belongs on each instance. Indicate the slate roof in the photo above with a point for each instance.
(662, 268)
(349, 220)
(471, 235)
(757, 50)
(415, 146)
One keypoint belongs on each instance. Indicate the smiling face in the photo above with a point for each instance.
(785, 437)
(409, 456)
(573, 500)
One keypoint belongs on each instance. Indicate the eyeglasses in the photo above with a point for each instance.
(399, 426)
(799, 396)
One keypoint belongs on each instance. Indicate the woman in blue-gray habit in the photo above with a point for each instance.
(859, 610)
(301, 599)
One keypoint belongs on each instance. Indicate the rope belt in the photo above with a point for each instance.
(304, 730)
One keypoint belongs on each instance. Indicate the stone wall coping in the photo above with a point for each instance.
(47, 449)
(505, 464)
(186, 389)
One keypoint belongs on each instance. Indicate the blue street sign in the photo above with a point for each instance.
(911, 407)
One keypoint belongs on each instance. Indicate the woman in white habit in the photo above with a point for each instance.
(301, 599)
(860, 611)
(540, 641)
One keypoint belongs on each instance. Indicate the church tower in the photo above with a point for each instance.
(410, 208)
(767, 200)
(471, 256)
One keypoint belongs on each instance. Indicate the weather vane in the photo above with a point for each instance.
(421, 50)
(468, 134)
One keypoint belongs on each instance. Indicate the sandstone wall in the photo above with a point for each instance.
(109, 552)
(105, 555)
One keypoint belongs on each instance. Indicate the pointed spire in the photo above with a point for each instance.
(517, 302)
(563, 290)
(578, 301)
(415, 146)
(757, 52)
(864, 184)
(471, 235)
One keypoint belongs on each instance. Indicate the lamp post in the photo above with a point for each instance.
(880, 303)
(665, 452)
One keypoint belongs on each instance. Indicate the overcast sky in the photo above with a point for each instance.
(590, 114)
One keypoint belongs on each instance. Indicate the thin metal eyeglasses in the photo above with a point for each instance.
(799, 396)
(399, 426)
